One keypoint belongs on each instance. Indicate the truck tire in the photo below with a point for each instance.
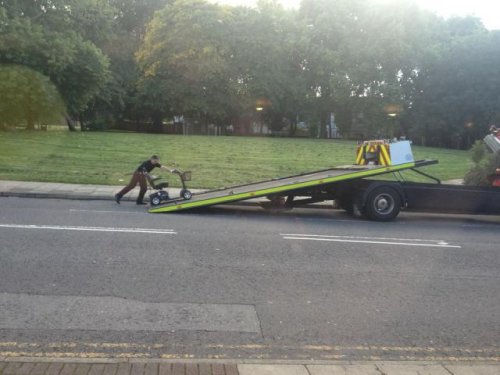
(383, 204)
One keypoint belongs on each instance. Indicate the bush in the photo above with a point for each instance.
(27, 98)
(485, 164)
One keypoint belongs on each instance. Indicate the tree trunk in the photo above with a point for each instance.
(30, 122)
(83, 125)
(70, 123)
(293, 128)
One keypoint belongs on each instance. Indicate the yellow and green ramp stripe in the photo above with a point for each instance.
(281, 186)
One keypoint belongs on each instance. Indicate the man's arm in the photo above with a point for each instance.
(172, 170)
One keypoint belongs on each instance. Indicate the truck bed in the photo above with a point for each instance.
(282, 185)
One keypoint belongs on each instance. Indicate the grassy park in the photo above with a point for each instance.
(108, 158)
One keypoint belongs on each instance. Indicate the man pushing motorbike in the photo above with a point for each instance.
(139, 177)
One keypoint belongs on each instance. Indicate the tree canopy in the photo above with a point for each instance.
(384, 69)
(54, 38)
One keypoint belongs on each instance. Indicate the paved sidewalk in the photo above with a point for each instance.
(16, 366)
(26, 189)
(54, 190)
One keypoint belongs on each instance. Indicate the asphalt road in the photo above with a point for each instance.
(90, 279)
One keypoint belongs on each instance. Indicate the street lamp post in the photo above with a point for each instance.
(261, 104)
(393, 111)
(393, 116)
(259, 117)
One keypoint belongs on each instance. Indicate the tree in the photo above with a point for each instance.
(119, 99)
(458, 92)
(44, 37)
(362, 58)
(91, 19)
(484, 165)
(185, 61)
(27, 97)
(267, 62)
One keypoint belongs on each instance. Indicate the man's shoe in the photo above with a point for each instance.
(117, 198)
(141, 203)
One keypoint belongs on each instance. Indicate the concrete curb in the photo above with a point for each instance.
(282, 362)
(53, 366)
(31, 189)
(83, 197)
(245, 203)
(58, 196)
(41, 190)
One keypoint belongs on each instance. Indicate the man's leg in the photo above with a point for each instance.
(144, 187)
(132, 184)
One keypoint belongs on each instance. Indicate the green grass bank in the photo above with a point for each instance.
(107, 158)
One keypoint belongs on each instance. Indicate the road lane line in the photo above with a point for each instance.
(54, 356)
(87, 355)
(371, 242)
(89, 229)
(253, 351)
(315, 347)
(251, 346)
(109, 211)
(441, 242)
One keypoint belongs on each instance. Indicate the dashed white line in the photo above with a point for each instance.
(371, 240)
(108, 212)
(441, 242)
(89, 229)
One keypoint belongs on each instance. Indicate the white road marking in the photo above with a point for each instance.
(364, 238)
(108, 212)
(90, 229)
(371, 240)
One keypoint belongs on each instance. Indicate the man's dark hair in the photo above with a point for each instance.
(155, 157)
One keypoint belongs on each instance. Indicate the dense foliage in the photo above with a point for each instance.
(484, 165)
(149, 60)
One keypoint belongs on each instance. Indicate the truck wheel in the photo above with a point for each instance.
(383, 204)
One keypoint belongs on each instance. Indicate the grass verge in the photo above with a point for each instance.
(107, 158)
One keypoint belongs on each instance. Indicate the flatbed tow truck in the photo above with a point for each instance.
(353, 191)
